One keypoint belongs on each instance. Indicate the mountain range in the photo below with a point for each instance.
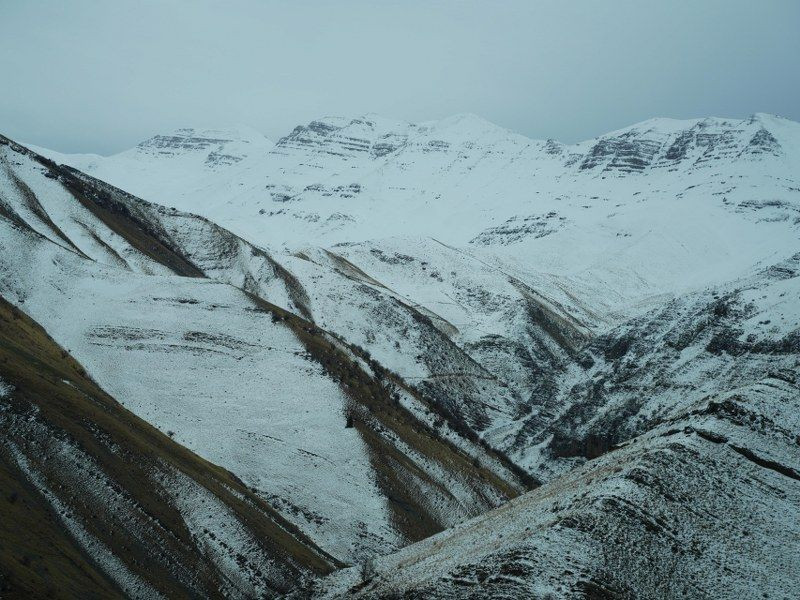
(383, 359)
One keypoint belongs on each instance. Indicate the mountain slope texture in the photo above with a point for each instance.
(387, 360)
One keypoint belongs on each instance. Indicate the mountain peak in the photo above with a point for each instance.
(214, 148)
(197, 138)
(466, 119)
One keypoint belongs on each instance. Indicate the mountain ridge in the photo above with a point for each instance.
(207, 289)
(614, 324)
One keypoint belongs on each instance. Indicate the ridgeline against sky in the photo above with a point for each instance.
(93, 76)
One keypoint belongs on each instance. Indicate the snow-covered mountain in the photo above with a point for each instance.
(487, 232)
(183, 162)
(682, 196)
(382, 329)
(167, 312)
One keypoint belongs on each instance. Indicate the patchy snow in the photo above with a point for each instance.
(561, 299)
(200, 360)
(108, 562)
(220, 534)
(656, 517)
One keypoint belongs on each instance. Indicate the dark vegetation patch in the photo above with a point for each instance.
(766, 463)
(588, 446)
(38, 558)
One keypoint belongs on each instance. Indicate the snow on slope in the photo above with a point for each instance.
(98, 503)
(629, 213)
(671, 459)
(206, 361)
(651, 368)
(195, 358)
(533, 247)
(562, 300)
(704, 505)
(179, 164)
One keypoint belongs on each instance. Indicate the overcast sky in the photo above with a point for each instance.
(100, 75)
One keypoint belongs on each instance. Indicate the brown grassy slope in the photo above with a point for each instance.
(37, 555)
(54, 405)
(116, 214)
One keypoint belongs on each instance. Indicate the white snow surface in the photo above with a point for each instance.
(560, 298)
(661, 207)
(199, 359)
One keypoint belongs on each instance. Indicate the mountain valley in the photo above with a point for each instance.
(382, 359)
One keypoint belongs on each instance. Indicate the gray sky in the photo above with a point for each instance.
(100, 75)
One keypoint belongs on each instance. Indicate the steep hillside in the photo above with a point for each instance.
(385, 330)
(670, 450)
(704, 505)
(339, 447)
(98, 503)
(517, 250)
(653, 367)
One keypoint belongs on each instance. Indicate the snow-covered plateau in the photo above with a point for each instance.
(381, 359)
